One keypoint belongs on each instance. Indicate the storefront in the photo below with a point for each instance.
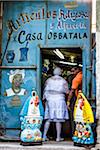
(33, 32)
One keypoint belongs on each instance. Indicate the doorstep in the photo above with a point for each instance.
(50, 145)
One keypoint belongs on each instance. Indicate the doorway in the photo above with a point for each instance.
(66, 59)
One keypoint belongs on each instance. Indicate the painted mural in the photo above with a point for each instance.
(27, 27)
(16, 78)
(62, 23)
(17, 86)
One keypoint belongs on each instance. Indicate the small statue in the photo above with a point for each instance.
(83, 117)
(31, 117)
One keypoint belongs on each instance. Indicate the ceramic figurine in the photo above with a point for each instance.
(83, 117)
(31, 117)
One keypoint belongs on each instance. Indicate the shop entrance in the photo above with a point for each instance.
(66, 59)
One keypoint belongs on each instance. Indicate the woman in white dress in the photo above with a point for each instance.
(56, 110)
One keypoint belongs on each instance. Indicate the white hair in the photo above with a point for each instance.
(57, 71)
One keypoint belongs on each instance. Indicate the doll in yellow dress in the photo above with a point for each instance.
(83, 117)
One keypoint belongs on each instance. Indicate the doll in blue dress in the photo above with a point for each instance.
(31, 117)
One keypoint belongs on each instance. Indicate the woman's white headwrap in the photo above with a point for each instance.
(17, 71)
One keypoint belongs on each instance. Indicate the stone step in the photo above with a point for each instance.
(50, 145)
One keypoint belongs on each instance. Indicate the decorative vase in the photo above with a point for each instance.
(10, 56)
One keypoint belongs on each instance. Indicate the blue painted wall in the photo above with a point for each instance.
(29, 26)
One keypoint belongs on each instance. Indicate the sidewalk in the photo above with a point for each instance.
(51, 145)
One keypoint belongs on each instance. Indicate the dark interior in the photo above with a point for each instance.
(72, 57)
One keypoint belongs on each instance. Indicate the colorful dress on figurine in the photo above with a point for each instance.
(55, 90)
(31, 117)
(83, 117)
